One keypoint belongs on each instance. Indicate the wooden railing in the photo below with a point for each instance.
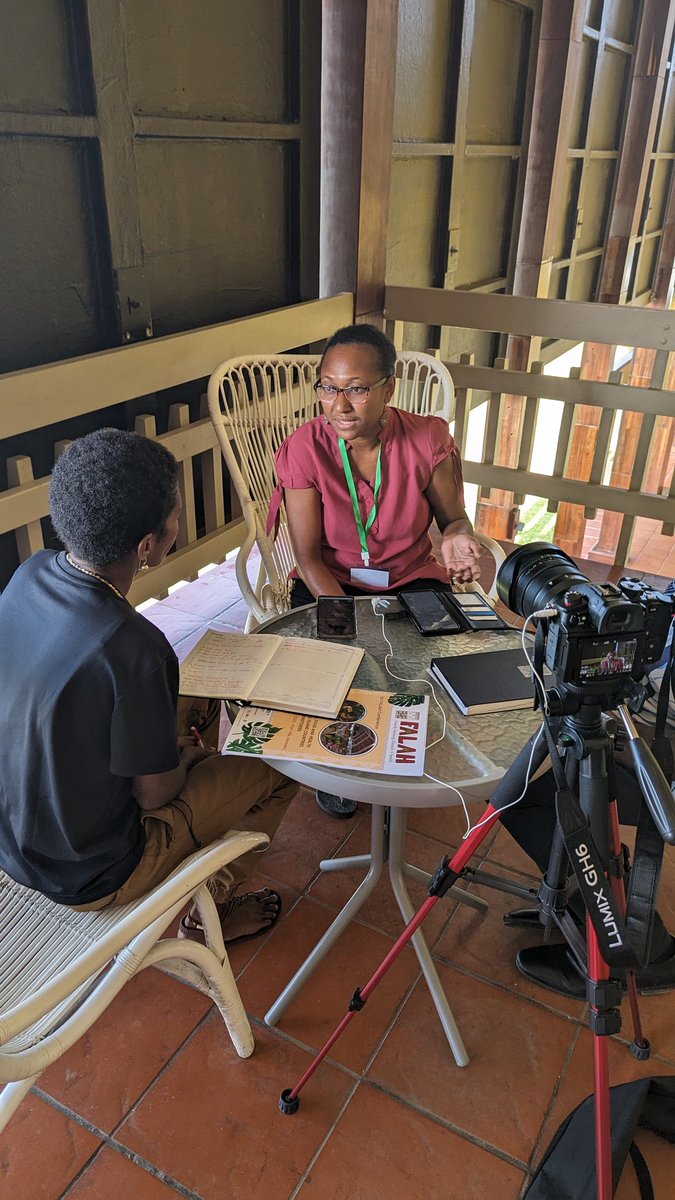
(649, 493)
(42, 396)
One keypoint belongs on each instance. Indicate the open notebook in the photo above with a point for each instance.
(293, 674)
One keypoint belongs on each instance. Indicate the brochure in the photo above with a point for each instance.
(374, 731)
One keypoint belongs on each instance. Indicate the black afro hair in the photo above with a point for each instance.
(108, 490)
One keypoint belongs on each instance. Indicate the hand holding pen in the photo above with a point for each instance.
(193, 749)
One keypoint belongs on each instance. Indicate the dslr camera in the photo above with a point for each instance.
(603, 635)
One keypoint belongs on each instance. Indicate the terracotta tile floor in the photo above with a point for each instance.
(650, 551)
(154, 1102)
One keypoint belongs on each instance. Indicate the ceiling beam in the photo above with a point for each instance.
(357, 120)
(556, 80)
(651, 57)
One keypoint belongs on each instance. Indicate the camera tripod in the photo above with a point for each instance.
(587, 841)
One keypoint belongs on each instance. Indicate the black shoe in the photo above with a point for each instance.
(553, 967)
(336, 806)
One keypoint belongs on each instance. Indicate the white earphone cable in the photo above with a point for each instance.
(546, 612)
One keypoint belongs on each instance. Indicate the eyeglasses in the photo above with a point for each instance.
(357, 394)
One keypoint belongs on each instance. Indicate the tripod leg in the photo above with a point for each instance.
(599, 971)
(554, 888)
(444, 878)
(640, 1048)
(508, 789)
(604, 994)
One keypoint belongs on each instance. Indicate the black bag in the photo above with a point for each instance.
(567, 1171)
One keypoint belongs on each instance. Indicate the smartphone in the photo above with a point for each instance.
(335, 617)
(429, 614)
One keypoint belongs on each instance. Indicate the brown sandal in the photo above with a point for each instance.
(190, 928)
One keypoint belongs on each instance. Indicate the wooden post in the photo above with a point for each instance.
(28, 537)
(109, 66)
(570, 522)
(357, 117)
(179, 418)
(651, 58)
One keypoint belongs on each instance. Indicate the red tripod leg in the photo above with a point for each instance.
(599, 971)
(446, 875)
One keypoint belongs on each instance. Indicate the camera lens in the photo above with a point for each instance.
(534, 575)
(537, 576)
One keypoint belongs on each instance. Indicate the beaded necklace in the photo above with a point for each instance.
(95, 576)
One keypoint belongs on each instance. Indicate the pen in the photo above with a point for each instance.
(197, 736)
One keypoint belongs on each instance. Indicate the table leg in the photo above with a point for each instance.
(397, 828)
(345, 864)
(363, 891)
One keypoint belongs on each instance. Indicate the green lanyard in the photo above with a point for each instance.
(362, 530)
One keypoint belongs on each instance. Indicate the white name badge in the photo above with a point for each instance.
(369, 576)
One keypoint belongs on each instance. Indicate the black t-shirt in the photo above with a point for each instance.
(88, 691)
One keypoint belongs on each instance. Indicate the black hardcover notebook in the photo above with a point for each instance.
(484, 683)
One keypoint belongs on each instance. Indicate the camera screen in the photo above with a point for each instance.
(604, 658)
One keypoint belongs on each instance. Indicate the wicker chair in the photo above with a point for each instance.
(255, 403)
(60, 969)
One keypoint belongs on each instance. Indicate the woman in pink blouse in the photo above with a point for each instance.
(363, 482)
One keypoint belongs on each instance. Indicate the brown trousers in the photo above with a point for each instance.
(220, 794)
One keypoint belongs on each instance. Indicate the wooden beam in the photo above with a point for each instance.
(343, 50)
(593, 107)
(357, 121)
(571, 320)
(377, 135)
(654, 42)
(116, 122)
(47, 125)
(633, 503)
(608, 396)
(556, 79)
(662, 287)
(461, 112)
(408, 149)
(214, 127)
(308, 90)
(485, 150)
(41, 396)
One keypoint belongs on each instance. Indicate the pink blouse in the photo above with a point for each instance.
(398, 540)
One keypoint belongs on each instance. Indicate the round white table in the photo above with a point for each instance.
(472, 756)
